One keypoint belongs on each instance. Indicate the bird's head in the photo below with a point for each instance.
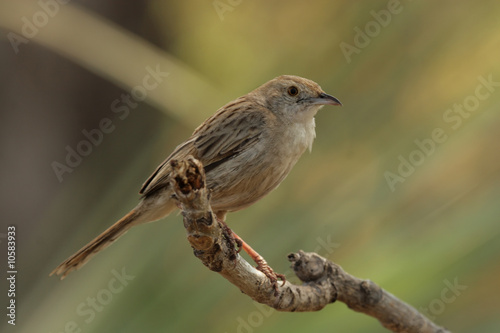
(294, 98)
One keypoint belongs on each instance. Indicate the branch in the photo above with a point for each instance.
(324, 282)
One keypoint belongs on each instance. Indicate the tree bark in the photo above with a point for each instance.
(324, 282)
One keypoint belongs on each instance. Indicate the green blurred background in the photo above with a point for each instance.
(431, 237)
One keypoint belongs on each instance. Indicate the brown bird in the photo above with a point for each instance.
(247, 148)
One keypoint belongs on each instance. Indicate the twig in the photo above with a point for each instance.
(324, 282)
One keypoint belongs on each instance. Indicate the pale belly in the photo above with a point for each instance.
(248, 177)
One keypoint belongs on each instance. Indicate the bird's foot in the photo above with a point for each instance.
(264, 267)
(235, 244)
(262, 264)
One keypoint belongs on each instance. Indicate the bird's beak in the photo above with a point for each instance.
(325, 99)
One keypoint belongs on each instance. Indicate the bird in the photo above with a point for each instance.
(247, 148)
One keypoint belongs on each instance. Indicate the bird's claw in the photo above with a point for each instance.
(263, 266)
(235, 244)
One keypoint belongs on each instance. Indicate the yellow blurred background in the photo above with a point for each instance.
(402, 186)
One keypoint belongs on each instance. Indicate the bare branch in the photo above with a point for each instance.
(324, 282)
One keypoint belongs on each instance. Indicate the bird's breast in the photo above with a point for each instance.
(300, 137)
(256, 171)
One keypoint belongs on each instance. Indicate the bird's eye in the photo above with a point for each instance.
(293, 91)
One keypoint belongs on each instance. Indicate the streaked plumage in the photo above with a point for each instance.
(247, 148)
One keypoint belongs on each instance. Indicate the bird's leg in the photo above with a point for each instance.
(262, 264)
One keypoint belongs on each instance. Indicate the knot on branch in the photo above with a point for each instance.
(372, 292)
(188, 182)
(308, 267)
(189, 175)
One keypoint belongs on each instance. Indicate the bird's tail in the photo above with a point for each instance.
(136, 216)
(98, 244)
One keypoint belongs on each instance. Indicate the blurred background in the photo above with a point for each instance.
(402, 186)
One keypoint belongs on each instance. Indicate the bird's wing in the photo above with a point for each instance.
(234, 128)
(159, 178)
